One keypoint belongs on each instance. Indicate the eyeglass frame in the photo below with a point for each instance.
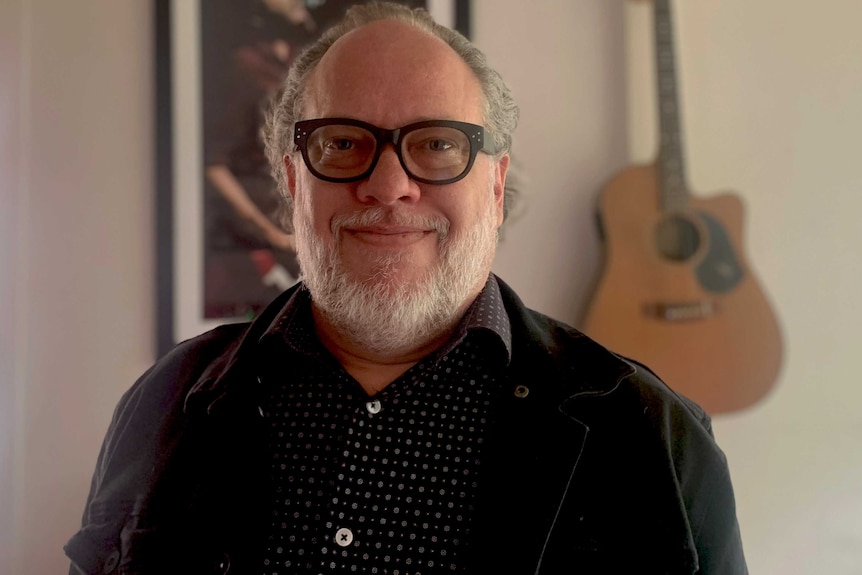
(481, 140)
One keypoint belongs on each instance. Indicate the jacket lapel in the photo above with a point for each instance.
(535, 442)
(530, 457)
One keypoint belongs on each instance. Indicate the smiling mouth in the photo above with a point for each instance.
(384, 228)
(388, 236)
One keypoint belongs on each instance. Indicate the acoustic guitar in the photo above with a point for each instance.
(676, 292)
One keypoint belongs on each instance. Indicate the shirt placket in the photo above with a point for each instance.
(347, 527)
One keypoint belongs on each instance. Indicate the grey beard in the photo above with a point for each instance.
(388, 317)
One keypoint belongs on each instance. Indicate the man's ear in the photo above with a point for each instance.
(290, 176)
(500, 170)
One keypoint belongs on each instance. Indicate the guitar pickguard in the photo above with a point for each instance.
(719, 271)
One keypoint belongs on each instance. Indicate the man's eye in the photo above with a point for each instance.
(439, 145)
(339, 144)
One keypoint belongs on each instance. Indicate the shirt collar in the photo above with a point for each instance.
(294, 325)
(486, 315)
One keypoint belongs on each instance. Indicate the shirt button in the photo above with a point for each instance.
(344, 537)
(373, 407)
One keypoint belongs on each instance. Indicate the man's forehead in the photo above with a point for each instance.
(388, 69)
(387, 37)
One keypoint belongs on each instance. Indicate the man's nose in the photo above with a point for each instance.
(388, 183)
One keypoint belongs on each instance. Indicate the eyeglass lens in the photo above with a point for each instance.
(435, 153)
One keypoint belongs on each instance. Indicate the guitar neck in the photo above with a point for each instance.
(673, 194)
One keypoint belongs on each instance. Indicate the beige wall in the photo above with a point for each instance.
(771, 92)
(10, 352)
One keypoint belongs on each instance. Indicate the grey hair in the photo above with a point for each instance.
(500, 110)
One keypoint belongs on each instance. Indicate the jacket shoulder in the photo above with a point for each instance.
(169, 379)
(584, 367)
(153, 407)
(148, 425)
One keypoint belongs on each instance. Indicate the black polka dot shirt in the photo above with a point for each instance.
(381, 484)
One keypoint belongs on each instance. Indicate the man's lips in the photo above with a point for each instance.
(388, 235)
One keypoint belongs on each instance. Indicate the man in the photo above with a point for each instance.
(401, 411)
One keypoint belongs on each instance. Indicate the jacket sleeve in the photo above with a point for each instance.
(94, 548)
(148, 427)
(706, 486)
(652, 458)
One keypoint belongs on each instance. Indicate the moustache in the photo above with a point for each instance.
(377, 215)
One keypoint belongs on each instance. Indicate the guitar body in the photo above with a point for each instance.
(677, 294)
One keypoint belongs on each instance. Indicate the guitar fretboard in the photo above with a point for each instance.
(672, 182)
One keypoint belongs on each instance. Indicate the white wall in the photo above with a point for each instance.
(565, 63)
(81, 142)
(770, 91)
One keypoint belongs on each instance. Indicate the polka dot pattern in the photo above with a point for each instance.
(383, 484)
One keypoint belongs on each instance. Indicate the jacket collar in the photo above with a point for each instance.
(227, 375)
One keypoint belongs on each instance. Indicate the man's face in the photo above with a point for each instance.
(388, 232)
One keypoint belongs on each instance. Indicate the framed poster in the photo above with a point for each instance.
(223, 253)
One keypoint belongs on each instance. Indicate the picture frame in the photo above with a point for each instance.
(190, 36)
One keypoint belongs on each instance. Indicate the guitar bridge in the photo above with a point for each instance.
(681, 311)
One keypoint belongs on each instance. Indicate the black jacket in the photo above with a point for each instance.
(595, 466)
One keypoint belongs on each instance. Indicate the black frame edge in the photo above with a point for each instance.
(164, 181)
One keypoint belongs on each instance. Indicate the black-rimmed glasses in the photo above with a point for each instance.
(432, 152)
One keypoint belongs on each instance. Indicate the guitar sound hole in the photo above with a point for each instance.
(677, 238)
